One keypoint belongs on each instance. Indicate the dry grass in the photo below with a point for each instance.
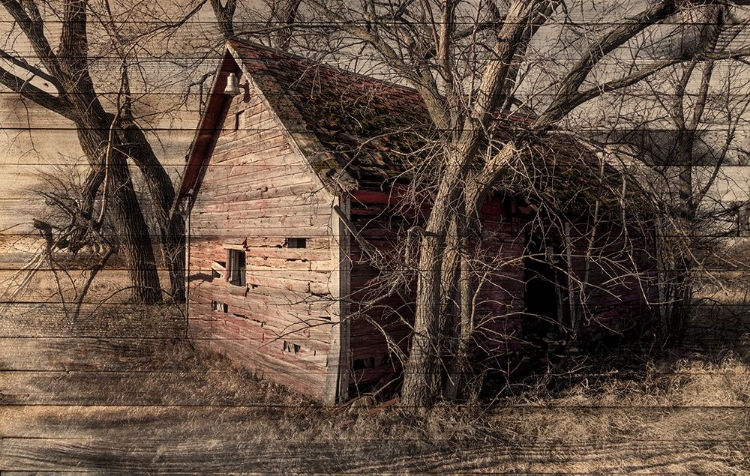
(694, 380)
(186, 409)
(120, 389)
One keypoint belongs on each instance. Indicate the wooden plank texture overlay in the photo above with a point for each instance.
(446, 142)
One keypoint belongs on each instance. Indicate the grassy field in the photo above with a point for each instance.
(119, 390)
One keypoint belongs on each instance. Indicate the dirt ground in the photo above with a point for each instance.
(119, 391)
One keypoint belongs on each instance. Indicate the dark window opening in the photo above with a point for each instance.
(296, 242)
(237, 268)
(361, 364)
(238, 122)
(545, 291)
(291, 348)
(219, 306)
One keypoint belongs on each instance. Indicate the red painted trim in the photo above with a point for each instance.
(208, 129)
(367, 196)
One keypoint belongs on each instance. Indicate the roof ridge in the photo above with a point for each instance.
(319, 64)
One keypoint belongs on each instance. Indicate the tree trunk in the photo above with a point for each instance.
(682, 307)
(285, 15)
(133, 240)
(224, 12)
(161, 190)
(439, 266)
(174, 251)
(422, 372)
(422, 369)
(460, 363)
(92, 125)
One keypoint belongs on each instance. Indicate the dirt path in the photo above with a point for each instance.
(116, 393)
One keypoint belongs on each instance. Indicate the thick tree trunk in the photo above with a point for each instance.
(93, 124)
(439, 266)
(134, 242)
(422, 369)
(133, 239)
(161, 191)
(224, 12)
(422, 372)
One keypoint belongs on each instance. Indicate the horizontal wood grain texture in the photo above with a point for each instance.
(402, 455)
(130, 414)
(119, 393)
(47, 354)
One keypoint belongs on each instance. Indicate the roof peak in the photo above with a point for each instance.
(237, 44)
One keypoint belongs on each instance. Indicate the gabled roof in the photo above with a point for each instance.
(356, 128)
(340, 120)
(362, 122)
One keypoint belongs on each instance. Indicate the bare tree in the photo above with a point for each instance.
(472, 62)
(277, 28)
(686, 134)
(57, 75)
(64, 75)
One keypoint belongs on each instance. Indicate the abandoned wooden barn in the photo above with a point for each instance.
(295, 187)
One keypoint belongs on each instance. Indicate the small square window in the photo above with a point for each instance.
(291, 348)
(296, 242)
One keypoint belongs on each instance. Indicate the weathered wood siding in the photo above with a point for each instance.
(619, 296)
(500, 304)
(608, 286)
(380, 323)
(256, 193)
(622, 286)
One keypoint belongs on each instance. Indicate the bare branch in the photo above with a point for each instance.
(33, 27)
(607, 43)
(22, 63)
(422, 81)
(57, 104)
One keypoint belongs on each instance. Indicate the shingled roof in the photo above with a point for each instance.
(368, 129)
(366, 125)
